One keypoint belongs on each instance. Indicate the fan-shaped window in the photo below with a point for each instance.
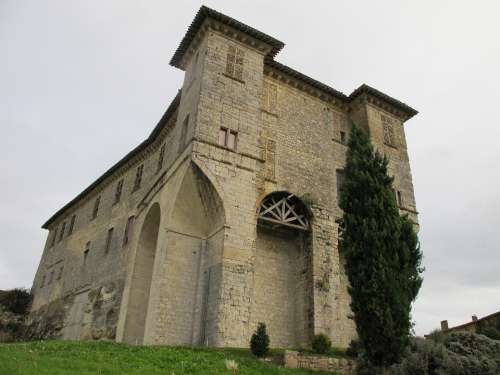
(282, 209)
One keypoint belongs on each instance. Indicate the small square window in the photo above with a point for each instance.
(343, 138)
(228, 138)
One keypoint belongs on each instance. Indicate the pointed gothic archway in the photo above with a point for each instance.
(282, 269)
(141, 277)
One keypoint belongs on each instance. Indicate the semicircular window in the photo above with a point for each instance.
(283, 210)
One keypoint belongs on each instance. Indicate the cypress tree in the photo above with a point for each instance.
(382, 254)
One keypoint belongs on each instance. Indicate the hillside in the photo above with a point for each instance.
(63, 357)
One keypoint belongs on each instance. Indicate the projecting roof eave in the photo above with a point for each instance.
(365, 89)
(164, 119)
(204, 13)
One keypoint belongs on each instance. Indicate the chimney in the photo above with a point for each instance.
(474, 318)
(444, 325)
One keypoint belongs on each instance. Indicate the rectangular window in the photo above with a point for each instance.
(160, 158)
(71, 225)
(59, 275)
(343, 138)
(109, 238)
(118, 191)
(182, 140)
(61, 233)
(234, 62)
(138, 177)
(228, 138)
(86, 253)
(340, 183)
(51, 277)
(128, 230)
(54, 237)
(96, 207)
(42, 283)
(387, 123)
(269, 97)
(400, 199)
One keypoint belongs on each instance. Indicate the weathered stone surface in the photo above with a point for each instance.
(196, 268)
(343, 366)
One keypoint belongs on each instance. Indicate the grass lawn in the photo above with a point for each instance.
(65, 357)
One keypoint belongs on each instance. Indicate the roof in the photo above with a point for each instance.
(166, 116)
(205, 12)
(380, 95)
(487, 317)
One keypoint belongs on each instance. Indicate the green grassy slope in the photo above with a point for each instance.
(63, 357)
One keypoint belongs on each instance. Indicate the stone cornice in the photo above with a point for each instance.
(229, 25)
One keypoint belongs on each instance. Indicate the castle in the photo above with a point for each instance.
(227, 214)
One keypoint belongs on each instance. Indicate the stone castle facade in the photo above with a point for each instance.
(226, 215)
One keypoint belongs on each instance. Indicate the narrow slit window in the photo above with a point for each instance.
(118, 191)
(400, 199)
(182, 140)
(138, 177)
(86, 253)
(71, 224)
(61, 233)
(59, 275)
(343, 138)
(96, 207)
(160, 158)
(51, 277)
(42, 283)
(128, 230)
(109, 238)
(54, 237)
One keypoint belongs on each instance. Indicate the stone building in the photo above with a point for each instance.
(226, 215)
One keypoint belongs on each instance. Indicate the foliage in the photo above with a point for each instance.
(259, 343)
(84, 358)
(383, 258)
(321, 344)
(490, 331)
(354, 348)
(16, 301)
(456, 354)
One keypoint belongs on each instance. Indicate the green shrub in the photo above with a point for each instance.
(16, 301)
(491, 332)
(259, 343)
(321, 344)
(354, 348)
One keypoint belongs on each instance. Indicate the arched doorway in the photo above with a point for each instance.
(190, 271)
(282, 270)
(141, 277)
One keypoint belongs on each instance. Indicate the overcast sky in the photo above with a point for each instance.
(83, 82)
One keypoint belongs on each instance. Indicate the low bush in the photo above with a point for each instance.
(491, 332)
(354, 348)
(452, 354)
(16, 301)
(321, 344)
(259, 343)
